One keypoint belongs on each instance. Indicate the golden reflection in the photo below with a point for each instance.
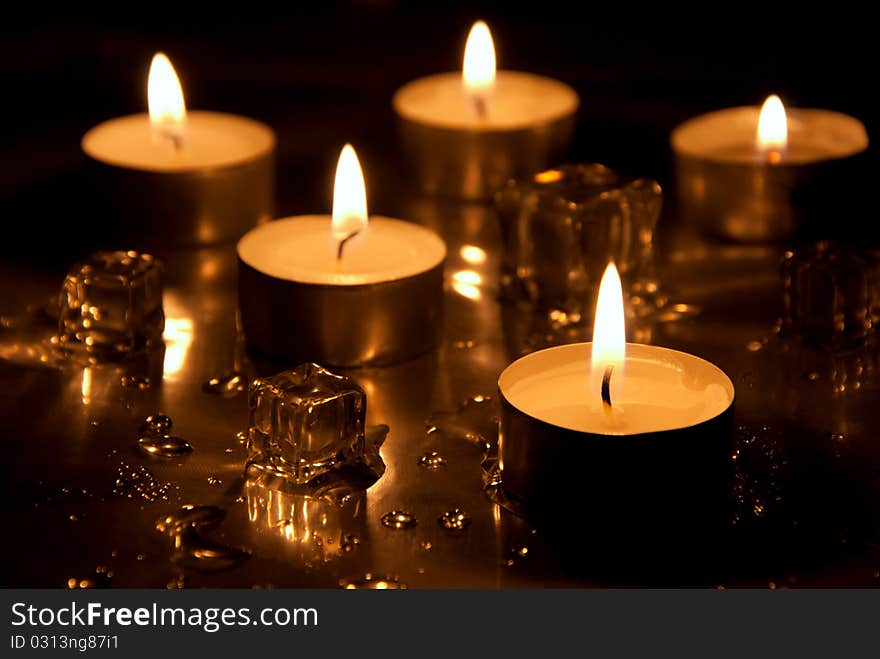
(466, 283)
(473, 254)
(86, 387)
(178, 337)
(319, 529)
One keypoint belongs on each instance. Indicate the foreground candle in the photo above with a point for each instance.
(617, 421)
(763, 174)
(466, 133)
(179, 177)
(342, 291)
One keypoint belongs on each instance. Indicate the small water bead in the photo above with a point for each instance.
(464, 344)
(426, 545)
(370, 582)
(349, 543)
(159, 424)
(194, 551)
(139, 382)
(226, 386)
(399, 519)
(432, 461)
(241, 436)
(176, 583)
(190, 516)
(140, 483)
(454, 519)
(164, 446)
(754, 346)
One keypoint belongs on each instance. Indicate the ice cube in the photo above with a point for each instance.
(111, 305)
(304, 422)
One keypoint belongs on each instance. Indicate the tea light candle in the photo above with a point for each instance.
(341, 290)
(760, 175)
(178, 176)
(466, 133)
(611, 417)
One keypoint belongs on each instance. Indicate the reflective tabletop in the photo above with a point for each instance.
(82, 504)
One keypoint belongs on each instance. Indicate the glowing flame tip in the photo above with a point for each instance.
(349, 196)
(772, 126)
(165, 99)
(478, 70)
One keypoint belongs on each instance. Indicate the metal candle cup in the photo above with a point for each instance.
(557, 452)
(369, 318)
(730, 189)
(219, 184)
(469, 158)
(467, 133)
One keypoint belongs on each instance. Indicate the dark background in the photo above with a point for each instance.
(325, 75)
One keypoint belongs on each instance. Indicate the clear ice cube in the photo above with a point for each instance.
(304, 422)
(562, 226)
(111, 304)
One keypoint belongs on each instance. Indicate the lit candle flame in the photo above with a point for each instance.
(165, 101)
(609, 333)
(349, 198)
(772, 129)
(478, 71)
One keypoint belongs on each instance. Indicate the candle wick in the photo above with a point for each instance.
(481, 106)
(342, 243)
(774, 157)
(606, 389)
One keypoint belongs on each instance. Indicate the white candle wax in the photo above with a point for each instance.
(729, 136)
(302, 249)
(519, 101)
(659, 390)
(212, 140)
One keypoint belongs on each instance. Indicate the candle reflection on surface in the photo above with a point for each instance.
(320, 528)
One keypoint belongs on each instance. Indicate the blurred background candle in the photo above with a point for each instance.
(766, 174)
(175, 177)
(341, 290)
(466, 133)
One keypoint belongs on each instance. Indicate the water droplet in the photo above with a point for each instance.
(103, 578)
(475, 420)
(74, 518)
(241, 436)
(426, 545)
(349, 543)
(140, 382)
(812, 376)
(398, 519)
(226, 386)
(194, 551)
(836, 437)
(454, 519)
(213, 480)
(370, 582)
(140, 483)
(189, 516)
(140, 557)
(521, 551)
(754, 346)
(176, 583)
(464, 344)
(159, 424)
(164, 446)
(432, 461)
